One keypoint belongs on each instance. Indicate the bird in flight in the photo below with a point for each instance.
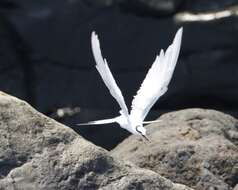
(154, 85)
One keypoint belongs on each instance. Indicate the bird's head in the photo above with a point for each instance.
(141, 131)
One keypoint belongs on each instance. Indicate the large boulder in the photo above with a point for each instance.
(195, 147)
(37, 152)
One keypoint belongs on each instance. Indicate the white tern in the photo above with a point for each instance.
(154, 85)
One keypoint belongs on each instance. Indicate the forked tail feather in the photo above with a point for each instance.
(99, 122)
(154, 121)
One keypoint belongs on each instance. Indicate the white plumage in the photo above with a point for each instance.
(154, 85)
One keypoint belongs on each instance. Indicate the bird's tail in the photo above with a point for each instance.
(99, 122)
(148, 122)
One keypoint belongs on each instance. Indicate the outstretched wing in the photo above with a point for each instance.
(104, 71)
(157, 80)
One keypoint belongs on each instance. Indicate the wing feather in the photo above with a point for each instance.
(105, 73)
(157, 80)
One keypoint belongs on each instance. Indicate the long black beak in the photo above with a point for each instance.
(145, 137)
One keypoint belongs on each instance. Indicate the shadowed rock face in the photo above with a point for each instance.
(36, 153)
(195, 147)
(46, 57)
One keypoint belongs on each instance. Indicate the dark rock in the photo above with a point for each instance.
(11, 70)
(46, 57)
(36, 153)
(206, 6)
(152, 7)
(65, 57)
(7, 4)
(195, 147)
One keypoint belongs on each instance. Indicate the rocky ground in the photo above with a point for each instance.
(195, 147)
(37, 152)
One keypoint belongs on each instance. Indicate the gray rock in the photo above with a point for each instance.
(36, 152)
(236, 187)
(195, 147)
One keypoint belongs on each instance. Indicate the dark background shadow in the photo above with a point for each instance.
(46, 59)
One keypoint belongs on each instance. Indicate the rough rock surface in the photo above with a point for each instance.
(37, 153)
(195, 147)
